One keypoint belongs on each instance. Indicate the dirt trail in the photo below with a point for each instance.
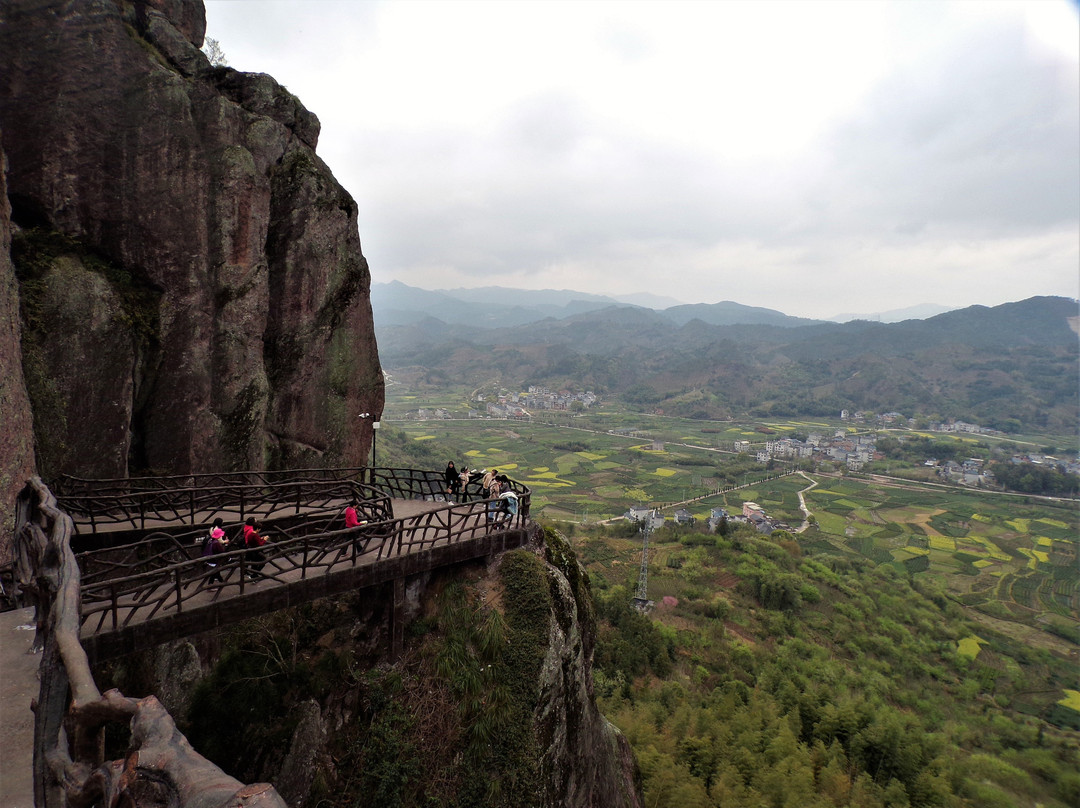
(802, 502)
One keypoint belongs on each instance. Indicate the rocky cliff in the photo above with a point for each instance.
(16, 424)
(192, 289)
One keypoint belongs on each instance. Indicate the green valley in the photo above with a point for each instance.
(914, 645)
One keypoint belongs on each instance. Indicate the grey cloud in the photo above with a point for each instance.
(984, 142)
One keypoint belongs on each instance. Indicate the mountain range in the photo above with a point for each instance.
(396, 303)
(1013, 366)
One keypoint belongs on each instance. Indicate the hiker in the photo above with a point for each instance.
(450, 477)
(214, 544)
(253, 541)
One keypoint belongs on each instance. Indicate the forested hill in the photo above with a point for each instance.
(1013, 365)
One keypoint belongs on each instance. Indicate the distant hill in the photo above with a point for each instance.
(728, 313)
(920, 312)
(1008, 366)
(396, 304)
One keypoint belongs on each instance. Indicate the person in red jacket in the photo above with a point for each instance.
(352, 519)
(253, 540)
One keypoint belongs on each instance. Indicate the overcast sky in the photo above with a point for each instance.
(810, 157)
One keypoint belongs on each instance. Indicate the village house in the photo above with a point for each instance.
(684, 517)
(749, 508)
(645, 514)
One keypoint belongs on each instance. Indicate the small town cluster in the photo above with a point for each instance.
(852, 451)
(888, 418)
(752, 514)
(520, 405)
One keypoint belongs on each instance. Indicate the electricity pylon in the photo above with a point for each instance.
(641, 599)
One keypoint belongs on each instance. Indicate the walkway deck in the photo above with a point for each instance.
(154, 617)
(18, 685)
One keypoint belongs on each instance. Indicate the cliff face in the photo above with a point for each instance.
(16, 432)
(192, 287)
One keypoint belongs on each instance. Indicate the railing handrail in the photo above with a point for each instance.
(64, 484)
(238, 500)
(112, 501)
(449, 524)
(305, 510)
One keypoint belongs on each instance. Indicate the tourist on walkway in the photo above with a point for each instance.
(214, 544)
(494, 488)
(451, 480)
(485, 483)
(351, 517)
(463, 484)
(253, 541)
(508, 505)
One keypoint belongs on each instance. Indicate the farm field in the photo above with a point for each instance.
(1009, 558)
(577, 474)
(1005, 558)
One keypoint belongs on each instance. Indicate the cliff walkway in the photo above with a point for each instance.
(113, 566)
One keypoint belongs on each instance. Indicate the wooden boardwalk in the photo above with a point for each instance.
(116, 567)
(18, 687)
(182, 600)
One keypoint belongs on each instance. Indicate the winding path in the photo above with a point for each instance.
(802, 501)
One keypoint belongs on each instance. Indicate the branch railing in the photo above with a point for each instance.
(112, 600)
(430, 485)
(186, 499)
(144, 579)
(165, 572)
(67, 486)
(112, 508)
(70, 715)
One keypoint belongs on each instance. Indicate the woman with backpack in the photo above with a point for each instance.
(214, 544)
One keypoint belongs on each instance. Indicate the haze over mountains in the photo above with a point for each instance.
(396, 303)
(1012, 366)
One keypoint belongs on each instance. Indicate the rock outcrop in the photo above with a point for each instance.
(193, 292)
(586, 761)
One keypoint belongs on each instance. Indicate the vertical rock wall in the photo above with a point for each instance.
(16, 424)
(198, 293)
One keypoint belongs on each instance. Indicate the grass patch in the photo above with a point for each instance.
(1071, 700)
(969, 647)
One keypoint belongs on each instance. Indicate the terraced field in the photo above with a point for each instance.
(1010, 558)
(602, 480)
(1007, 558)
